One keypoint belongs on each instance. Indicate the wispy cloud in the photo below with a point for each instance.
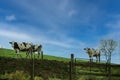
(18, 34)
(15, 35)
(58, 43)
(10, 17)
(54, 17)
(53, 12)
(63, 25)
(114, 25)
(23, 36)
(115, 35)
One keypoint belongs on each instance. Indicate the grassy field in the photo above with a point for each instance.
(51, 66)
(10, 53)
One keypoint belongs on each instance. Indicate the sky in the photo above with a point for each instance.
(61, 26)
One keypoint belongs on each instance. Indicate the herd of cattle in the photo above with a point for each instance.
(29, 48)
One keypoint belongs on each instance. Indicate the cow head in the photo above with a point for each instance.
(40, 45)
(87, 50)
(12, 43)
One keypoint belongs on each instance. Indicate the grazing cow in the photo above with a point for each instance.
(38, 49)
(93, 53)
(27, 47)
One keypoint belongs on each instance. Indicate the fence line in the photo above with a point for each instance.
(73, 64)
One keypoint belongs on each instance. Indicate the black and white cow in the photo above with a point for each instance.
(29, 48)
(23, 46)
(38, 49)
(93, 53)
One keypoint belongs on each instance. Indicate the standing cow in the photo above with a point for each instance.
(26, 47)
(93, 53)
(38, 49)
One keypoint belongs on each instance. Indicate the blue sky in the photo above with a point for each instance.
(61, 26)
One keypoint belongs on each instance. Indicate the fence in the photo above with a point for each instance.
(94, 71)
(33, 68)
(73, 70)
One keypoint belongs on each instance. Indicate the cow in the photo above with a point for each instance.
(25, 47)
(93, 53)
(29, 48)
(37, 48)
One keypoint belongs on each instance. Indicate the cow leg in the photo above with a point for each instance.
(99, 57)
(31, 54)
(20, 55)
(17, 52)
(96, 58)
(90, 59)
(26, 54)
(34, 54)
(38, 54)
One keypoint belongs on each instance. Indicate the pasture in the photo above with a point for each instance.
(8, 53)
(52, 67)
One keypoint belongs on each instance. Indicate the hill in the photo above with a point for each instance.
(52, 66)
(11, 54)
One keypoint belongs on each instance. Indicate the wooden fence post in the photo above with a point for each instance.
(71, 66)
(75, 68)
(70, 69)
(109, 71)
(32, 69)
(41, 55)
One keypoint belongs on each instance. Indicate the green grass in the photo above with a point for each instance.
(10, 53)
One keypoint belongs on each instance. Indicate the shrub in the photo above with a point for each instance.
(54, 79)
(18, 75)
(38, 78)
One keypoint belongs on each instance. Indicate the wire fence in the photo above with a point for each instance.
(92, 70)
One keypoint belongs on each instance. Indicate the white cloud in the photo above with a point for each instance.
(23, 36)
(114, 28)
(35, 38)
(48, 12)
(58, 43)
(10, 17)
(115, 22)
(15, 35)
(114, 25)
(65, 43)
(113, 35)
(51, 14)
